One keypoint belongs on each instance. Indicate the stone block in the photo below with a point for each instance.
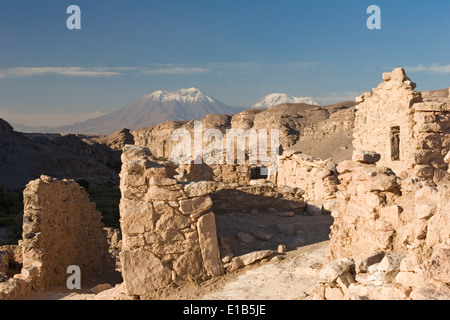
(173, 222)
(334, 269)
(163, 208)
(196, 205)
(424, 210)
(409, 279)
(163, 194)
(189, 266)
(161, 181)
(334, 294)
(362, 265)
(431, 291)
(247, 259)
(207, 235)
(365, 156)
(143, 272)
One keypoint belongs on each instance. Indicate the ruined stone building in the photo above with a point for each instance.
(390, 206)
(392, 223)
(408, 132)
(169, 227)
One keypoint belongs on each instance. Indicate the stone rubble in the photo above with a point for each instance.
(395, 277)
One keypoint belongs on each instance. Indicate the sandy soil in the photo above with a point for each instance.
(342, 147)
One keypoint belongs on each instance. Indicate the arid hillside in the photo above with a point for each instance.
(23, 158)
(319, 131)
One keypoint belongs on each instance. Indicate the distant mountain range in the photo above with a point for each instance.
(180, 105)
(161, 106)
(275, 99)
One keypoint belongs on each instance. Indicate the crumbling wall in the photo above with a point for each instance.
(169, 229)
(169, 233)
(256, 198)
(432, 136)
(61, 227)
(226, 173)
(410, 134)
(405, 222)
(316, 177)
(387, 107)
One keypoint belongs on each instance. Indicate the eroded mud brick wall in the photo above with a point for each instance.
(169, 232)
(61, 227)
(408, 133)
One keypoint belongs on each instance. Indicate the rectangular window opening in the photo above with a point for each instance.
(395, 143)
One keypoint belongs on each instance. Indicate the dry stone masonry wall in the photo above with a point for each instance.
(391, 235)
(168, 226)
(169, 233)
(409, 134)
(318, 179)
(390, 238)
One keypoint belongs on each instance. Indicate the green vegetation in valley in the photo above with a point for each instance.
(107, 201)
(11, 213)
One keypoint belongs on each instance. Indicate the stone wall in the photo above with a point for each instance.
(406, 222)
(168, 226)
(318, 179)
(61, 227)
(168, 230)
(432, 136)
(226, 173)
(410, 134)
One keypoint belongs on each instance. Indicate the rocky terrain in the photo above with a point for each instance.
(300, 127)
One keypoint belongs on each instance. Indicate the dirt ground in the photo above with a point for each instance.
(291, 278)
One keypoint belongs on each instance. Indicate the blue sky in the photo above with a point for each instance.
(235, 51)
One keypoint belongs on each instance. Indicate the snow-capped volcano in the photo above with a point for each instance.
(275, 99)
(151, 109)
(182, 95)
